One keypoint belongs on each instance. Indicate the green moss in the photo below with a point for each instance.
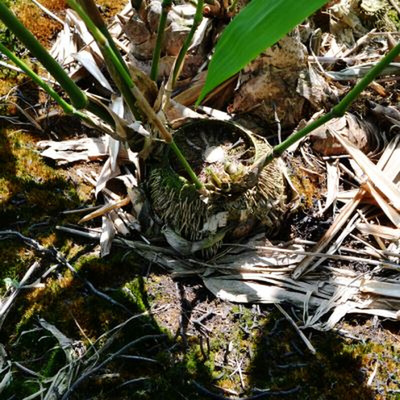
(135, 291)
(16, 259)
(30, 189)
(393, 16)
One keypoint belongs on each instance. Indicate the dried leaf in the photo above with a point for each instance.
(332, 185)
(107, 236)
(376, 176)
(384, 232)
(86, 59)
(69, 151)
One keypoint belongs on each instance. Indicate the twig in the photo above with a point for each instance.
(6, 305)
(53, 253)
(48, 12)
(106, 361)
(301, 334)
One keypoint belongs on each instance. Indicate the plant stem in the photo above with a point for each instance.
(94, 14)
(186, 165)
(198, 16)
(68, 108)
(101, 112)
(77, 96)
(107, 46)
(128, 83)
(336, 112)
(165, 8)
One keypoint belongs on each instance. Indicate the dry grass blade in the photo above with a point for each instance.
(390, 212)
(376, 176)
(333, 185)
(6, 303)
(384, 232)
(107, 236)
(337, 225)
(301, 334)
(387, 289)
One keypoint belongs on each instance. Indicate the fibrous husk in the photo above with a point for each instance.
(220, 154)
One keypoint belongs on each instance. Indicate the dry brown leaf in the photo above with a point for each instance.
(357, 131)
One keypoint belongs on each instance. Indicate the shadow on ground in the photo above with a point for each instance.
(184, 343)
(175, 341)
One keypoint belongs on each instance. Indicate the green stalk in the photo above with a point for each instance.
(68, 108)
(165, 8)
(101, 112)
(77, 96)
(93, 12)
(186, 165)
(198, 16)
(127, 81)
(336, 112)
(107, 46)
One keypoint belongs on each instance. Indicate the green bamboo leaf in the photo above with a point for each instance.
(257, 27)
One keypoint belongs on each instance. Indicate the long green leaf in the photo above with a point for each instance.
(257, 27)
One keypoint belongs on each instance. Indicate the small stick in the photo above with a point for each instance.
(91, 371)
(301, 334)
(48, 12)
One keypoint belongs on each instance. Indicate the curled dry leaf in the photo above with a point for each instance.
(361, 133)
